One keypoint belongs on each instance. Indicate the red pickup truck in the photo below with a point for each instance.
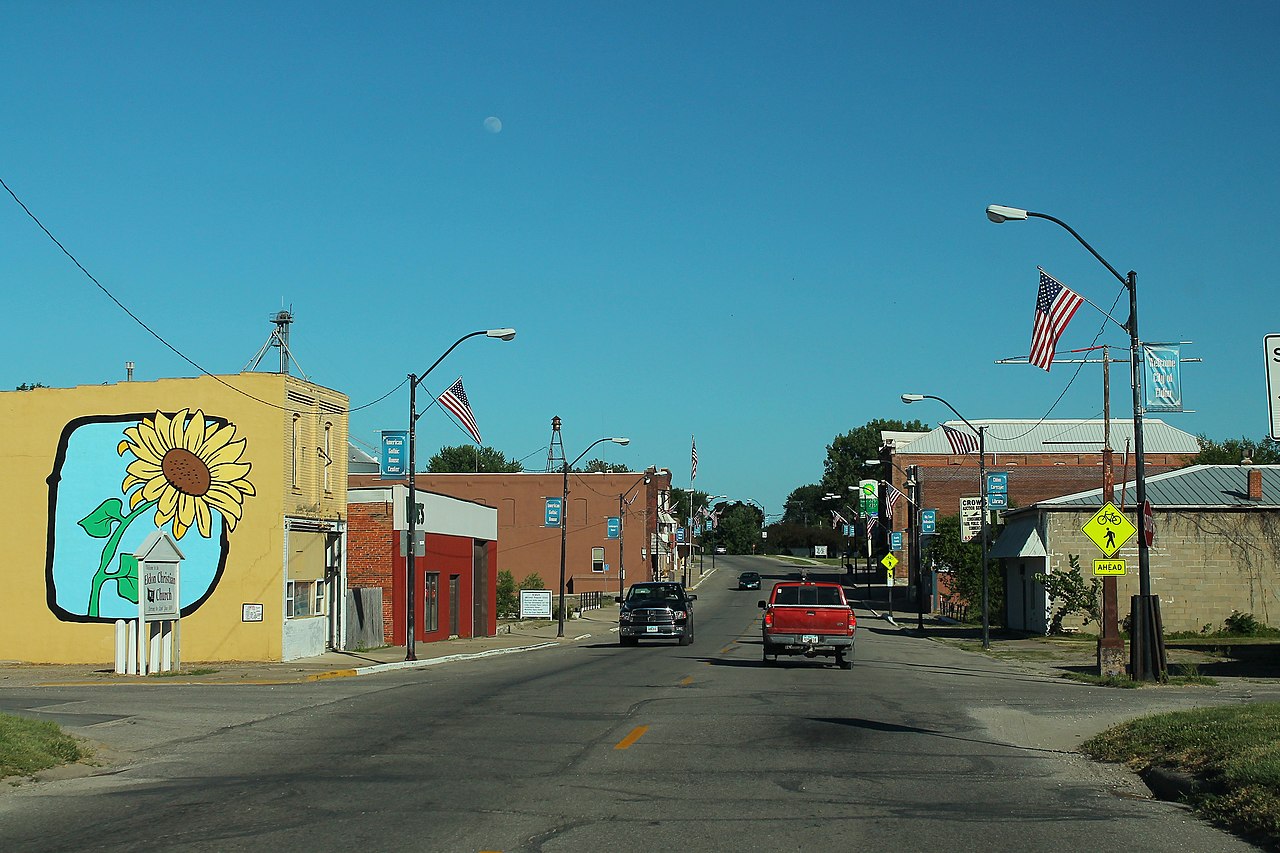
(809, 618)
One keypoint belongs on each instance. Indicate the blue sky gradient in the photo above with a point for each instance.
(755, 223)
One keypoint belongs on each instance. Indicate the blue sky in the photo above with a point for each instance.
(756, 223)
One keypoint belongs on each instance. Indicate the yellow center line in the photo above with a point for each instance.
(636, 734)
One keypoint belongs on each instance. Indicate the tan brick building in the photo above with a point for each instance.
(1216, 548)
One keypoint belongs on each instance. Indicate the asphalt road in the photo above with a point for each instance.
(595, 747)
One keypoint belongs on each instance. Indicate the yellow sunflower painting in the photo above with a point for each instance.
(187, 467)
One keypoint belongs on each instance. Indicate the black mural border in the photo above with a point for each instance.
(53, 481)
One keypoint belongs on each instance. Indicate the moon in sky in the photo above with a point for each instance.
(493, 124)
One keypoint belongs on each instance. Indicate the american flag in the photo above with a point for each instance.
(455, 400)
(693, 459)
(837, 519)
(872, 522)
(961, 442)
(893, 495)
(1056, 304)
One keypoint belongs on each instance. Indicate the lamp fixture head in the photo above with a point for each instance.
(501, 334)
(623, 441)
(912, 398)
(1001, 213)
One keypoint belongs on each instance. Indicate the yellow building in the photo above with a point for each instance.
(247, 473)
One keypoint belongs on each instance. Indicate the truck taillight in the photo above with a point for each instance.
(768, 619)
(853, 624)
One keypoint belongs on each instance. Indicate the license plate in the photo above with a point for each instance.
(652, 629)
(809, 638)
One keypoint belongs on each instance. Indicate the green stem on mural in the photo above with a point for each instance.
(101, 577)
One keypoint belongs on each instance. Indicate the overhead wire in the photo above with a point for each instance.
(156, 334)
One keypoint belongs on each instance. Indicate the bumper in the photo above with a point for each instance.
(797, 642)
(656, 632)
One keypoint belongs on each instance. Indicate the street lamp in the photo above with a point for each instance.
(1146, 652)
(410, 557)
(982, 483)
(622, 526)
(564, 518)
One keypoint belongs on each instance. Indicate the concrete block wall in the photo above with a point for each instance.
(1204, 564)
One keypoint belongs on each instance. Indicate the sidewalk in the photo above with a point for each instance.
(513, 638)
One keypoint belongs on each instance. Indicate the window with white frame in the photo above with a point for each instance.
(304, 598)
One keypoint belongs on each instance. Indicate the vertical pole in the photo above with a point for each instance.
(982, 476)
(914, 569)
(564, 524)
(1110, 644)
(412, 524)
(622, 530)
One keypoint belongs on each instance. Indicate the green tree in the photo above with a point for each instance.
(600, 466)
(805, 507)
(508, 602)
(737, 530)
(945, 552)
(847, 454)
(468, 458)
(533, 580)
(29, 386)
(1265, 451)
(1071, 595)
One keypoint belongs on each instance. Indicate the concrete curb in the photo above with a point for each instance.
(419, 664)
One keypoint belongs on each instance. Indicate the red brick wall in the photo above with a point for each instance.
(371, 555)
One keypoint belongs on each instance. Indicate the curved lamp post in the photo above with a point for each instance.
(982, 482)
(1147, 656)
(412, 511)
(564, 519)
(623, 503)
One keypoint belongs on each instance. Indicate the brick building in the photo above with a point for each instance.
(1216, 547)
(592, 558)
(1043, 459)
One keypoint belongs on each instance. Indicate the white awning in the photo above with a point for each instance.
(1020, 539)
(666, 518)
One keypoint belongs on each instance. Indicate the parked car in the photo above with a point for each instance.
(720, 549)
(749, 580)
(655, 611)
(809, 618)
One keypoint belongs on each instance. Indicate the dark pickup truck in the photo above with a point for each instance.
(809, 618)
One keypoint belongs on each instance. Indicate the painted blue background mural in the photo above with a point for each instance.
(118, 479)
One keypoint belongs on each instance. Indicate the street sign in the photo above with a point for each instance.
(971, 518)
(395, 454)
(895, 540)
(1148, 524)
(997, 500)
(679, 535)
(928, 521)
(890, 562)
(1272, 346)
(552, 516)
(613, 527)
(997, 483)
(1108, 567)
(1109, 529)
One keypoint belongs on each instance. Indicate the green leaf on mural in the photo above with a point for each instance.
(127, 578)
(102, 520)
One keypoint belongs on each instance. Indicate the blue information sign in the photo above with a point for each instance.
(997, 483)
(997, 500)
(613, 527)
(679, 535)
(895, 540)
(928, 523)
(553, 512)
(394, 464)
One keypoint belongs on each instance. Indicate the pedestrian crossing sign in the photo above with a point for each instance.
(890, 562)
(1109, 529)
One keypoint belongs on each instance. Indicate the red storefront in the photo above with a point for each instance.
(456, 577)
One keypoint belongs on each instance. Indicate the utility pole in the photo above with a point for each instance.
(1110, 644)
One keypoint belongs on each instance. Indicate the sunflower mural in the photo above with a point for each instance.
(182, 473)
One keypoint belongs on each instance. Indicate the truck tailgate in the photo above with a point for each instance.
(802, 619)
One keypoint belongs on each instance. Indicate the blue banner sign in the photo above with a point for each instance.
(928, 523)
(554, 505)
(679, 535)
(394, 464)
(997, 483)
(1162, 377)
(613, 527)
(895, 540)
(997, 500)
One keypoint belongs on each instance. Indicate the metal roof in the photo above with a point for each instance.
(1059, 436)
(1195, 487)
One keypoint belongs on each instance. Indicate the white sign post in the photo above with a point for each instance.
(159, 602)
(1272, 345)
(535, 604)
(970, 518)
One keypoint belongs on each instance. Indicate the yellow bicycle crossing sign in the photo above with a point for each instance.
(1109, 529)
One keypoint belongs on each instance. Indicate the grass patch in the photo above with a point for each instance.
(28, 746)
(1122, 681)
(1235, 750)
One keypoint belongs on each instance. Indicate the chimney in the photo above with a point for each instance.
(1255, 484)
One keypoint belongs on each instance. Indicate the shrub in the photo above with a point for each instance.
(1071, 595)
(508, 600)
(1241, 625)
(532, 581)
